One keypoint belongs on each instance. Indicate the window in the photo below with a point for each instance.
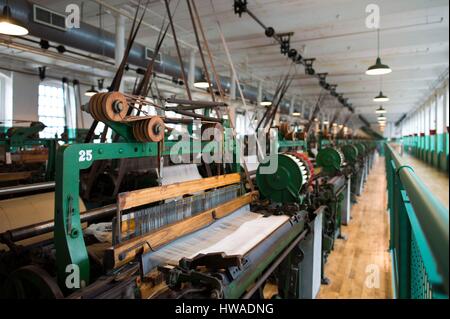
(240, 124)
(51, 110)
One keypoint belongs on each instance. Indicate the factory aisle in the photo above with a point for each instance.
(436, 181)
(360, 268)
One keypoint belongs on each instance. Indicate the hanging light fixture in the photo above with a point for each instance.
(382, 119)
(101, 86)
(91, 92)
(381, 97)
(10, 25)
(381, 110)
(266, 102)
(171, 104)
(379, 68)
(202, 83)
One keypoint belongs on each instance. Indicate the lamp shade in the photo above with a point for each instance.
(266, 102)
(381, 110)
(382, 118)
(202, 83)
(11, 26)
(381, 98)
(379, 68)
(91, 92)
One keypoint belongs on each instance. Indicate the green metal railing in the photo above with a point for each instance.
(419, 234)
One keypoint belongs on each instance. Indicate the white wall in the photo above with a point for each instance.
(25, 97)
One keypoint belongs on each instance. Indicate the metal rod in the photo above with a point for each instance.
(275, 264)
(196, 103)
(26, 188)
(202, 56)
(180, 57)
(198, 116)
(27, 232)
(186, 108)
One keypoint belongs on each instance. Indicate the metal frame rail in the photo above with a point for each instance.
(419, 241)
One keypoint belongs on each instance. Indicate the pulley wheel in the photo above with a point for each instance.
(154, 129)
(114, 107)
(99, 109)
(93, 105)
(32, 282)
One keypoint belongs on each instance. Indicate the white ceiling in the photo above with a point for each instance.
(414, 41)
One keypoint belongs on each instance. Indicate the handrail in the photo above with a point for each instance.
(432, 216)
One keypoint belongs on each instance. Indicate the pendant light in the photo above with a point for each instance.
(202, 83)
(91, 92)
(379, 68)
(266, 102)
(381, 97)
(382, 119)
(381, 110)
(10, 25)
(171, 104)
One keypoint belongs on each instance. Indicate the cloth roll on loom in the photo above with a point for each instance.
(29, 210)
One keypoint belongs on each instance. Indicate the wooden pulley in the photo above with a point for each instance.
(136, 134)
(290, 136)
(93, 105)
(149, 130)
(286, 132)
(114, 106)
(215, 132)
(301, 136)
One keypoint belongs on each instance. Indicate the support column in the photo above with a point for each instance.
(260, 92)
(120, 41)
(292, 106)
(191, 75)
(232, 86)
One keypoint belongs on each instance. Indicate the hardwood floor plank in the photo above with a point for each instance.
(366, 249)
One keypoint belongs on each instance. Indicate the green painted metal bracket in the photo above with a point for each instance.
(71, 159)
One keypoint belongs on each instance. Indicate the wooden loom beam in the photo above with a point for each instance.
(152, 195)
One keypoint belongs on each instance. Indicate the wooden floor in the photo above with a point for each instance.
(436, 181)
(360, 268)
